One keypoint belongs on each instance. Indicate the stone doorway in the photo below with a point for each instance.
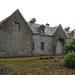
(59, 47)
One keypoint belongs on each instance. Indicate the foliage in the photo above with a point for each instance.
(70, 60)
(69, 46)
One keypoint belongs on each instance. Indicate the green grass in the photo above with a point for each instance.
(29, 58)
(34, 66)
(21, 58)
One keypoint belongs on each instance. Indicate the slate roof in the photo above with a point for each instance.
(48, 30)
(34, 27)
(66, 32)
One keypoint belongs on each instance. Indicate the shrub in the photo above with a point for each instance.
(70, 60)
(69, 45)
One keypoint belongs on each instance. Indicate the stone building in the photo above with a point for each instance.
(21, 38)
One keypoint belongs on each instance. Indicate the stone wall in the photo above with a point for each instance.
(59, 35)
(48, 45)
(13, 42)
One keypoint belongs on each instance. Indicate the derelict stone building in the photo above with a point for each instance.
(21, 38)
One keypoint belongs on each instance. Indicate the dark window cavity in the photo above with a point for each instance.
(17, 26)
(42, 32)
(42, 45)
(33, 47)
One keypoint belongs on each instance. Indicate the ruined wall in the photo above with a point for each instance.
(48, 45)
(59, 36)
(13, 42)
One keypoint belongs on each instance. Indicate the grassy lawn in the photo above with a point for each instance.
(34, 66)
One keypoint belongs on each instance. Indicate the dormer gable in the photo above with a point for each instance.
(42, 30)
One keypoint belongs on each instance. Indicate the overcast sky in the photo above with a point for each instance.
(54, 12)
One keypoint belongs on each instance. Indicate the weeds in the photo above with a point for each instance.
(35, 66)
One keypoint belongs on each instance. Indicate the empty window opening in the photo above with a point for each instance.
(17, 26)
(42, 32)
(42, 45)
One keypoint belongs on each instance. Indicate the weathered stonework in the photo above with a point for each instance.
(13, 42)
(20, 42)
(48, 41)
(59, 35)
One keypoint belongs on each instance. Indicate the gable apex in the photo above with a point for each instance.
(17, 12)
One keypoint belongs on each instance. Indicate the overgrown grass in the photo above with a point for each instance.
(34, 66)
(29, 58)
(21, 58)
(18, 58)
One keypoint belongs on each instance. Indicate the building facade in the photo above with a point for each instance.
(21, 38)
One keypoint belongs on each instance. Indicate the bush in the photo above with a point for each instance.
(69, 46)
(70, 60)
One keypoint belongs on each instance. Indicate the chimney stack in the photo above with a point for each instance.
(60, 24)
(47, 24)
(33, 20)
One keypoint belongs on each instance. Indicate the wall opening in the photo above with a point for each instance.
(59, 46)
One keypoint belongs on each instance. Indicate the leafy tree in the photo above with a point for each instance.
(69, 46)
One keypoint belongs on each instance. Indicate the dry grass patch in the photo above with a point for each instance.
(36, 66)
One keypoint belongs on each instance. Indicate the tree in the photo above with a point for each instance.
(69, 45)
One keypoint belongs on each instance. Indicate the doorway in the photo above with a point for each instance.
(59, 47)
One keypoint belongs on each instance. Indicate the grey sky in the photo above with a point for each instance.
(54, 12)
